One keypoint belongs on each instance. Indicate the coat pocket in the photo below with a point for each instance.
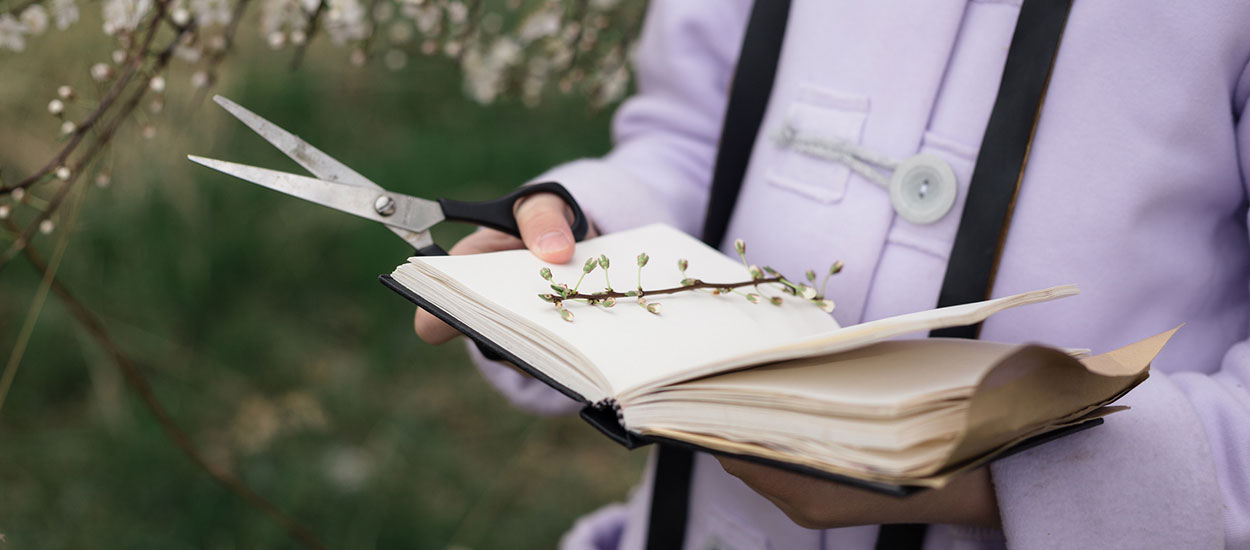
(828, 114)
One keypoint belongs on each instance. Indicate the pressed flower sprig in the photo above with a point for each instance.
(766, 277)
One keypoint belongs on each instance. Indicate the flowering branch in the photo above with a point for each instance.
(607, 297)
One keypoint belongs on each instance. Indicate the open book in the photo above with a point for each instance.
(781, 384)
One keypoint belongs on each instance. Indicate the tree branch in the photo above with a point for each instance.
(139, 383)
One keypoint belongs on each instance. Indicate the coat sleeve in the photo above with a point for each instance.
(666, 134)
(665, 144)
(1175, 473)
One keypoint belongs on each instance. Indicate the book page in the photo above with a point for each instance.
(628, 346)
(880, 380)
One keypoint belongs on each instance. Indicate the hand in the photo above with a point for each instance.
(544, 220)
(818, 504)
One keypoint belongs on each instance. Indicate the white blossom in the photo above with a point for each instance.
(199, 79)
(426, 17)
(65, 12)
(457, 12)
(124, 15)
(346, 21)
(157, 84)
(36, 19)
(12, 33)
(211, 12)
(484, 73)
(542, 23)
(56, 107)
(282, 16)
(101, 72)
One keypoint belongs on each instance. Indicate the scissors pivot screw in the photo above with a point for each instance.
(384, 205)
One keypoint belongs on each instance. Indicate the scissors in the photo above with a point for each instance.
(342, 188)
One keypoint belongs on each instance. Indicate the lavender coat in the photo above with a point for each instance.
(1136, 191)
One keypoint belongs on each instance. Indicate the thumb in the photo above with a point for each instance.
(544, 223)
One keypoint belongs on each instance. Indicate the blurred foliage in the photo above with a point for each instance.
(259, 320)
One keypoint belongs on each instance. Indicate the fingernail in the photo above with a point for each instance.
(554, 241)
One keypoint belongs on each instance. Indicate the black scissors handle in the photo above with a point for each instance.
(498, 213)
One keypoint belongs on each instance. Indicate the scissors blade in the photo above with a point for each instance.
(407, 213)
(312, 159)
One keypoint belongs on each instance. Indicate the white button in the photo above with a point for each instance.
(923, 189)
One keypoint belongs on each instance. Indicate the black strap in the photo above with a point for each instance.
(748, 99)
(1001, 162)
(982, 229)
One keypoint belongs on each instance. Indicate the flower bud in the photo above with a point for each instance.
(545, 273)
(654, 308)
(811, 276)
(631, 293)
(689, 281)
(65, 92)
(549, 298)
(682, 264)
(825, 305)
(835, 268)
(609, 302)
(753, 298)
(755, 272)
(807, 292)
(642, 301)
(776, 300)
(561, 289)
(590, 265)
(566, 315)
(642, 259)
(740, 246)
(603, 261)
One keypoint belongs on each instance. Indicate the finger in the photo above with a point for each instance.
(430, 329)
(544, 223)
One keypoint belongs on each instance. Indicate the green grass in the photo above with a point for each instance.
(260, 323)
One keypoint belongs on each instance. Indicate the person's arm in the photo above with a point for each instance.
(659, 169)
(666, 135)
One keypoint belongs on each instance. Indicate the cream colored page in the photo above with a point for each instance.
(628, 345)
(888, 376)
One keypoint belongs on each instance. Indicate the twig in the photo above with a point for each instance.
(313, 20)
(674, 290)
(139, 383)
